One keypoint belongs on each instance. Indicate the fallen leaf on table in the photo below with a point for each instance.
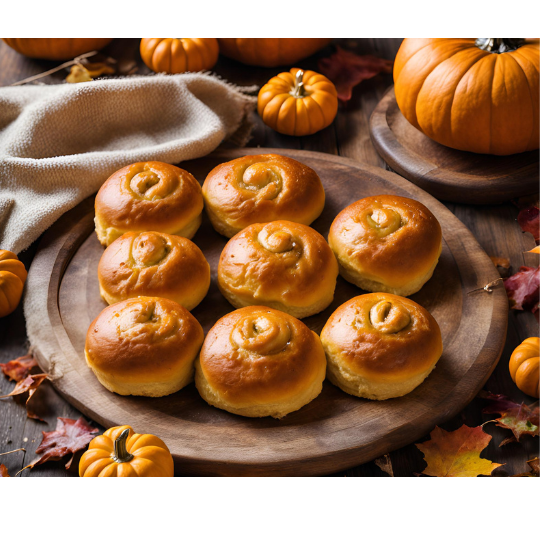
(385, 464)
(347, 69)
(30, 384)
(519, 418)
(457, 453)
(20, 368)
(535, 471)
(69, 437)
(3, 471)
(523, 289)
(88, 72)
(502, 264)
(529, 221)
(534, 250)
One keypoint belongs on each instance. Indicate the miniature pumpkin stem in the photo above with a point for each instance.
(298, 91)
(499, 45)
(121, 455)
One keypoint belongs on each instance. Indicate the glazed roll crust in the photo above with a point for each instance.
(148, 196)
(144, 346)
(283, 265)
(380, 346)
(259, 189)
(154, 264)
(386, 243)
(258, 361)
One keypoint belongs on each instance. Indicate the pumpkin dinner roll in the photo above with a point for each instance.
(386, 243)
(144, 346)
(258, 361)
(148, 196)
(154, 264)
(259, 189)
(380, 346)
(283, 265)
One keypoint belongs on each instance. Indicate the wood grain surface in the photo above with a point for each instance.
(494, 226)
(335, 430)
(448, 174)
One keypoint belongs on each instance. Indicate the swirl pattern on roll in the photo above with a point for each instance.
(148, 196)
(154, 264)
(281, 264)
(259, 189)
(258, 355)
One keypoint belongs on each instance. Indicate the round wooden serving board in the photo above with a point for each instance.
(335, 431)
(445, 173)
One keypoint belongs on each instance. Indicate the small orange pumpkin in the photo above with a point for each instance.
(56, 48)
(178, 55)
(524, 368)
(298, 102)
(12, 277)
(121, 452)
(270, 52)
(475, 95)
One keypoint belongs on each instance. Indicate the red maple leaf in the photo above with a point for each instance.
(529, 221)
(68, 437)
(3, 471)
(521, 419)
(347, 69)
(523, 289)
(20, 368)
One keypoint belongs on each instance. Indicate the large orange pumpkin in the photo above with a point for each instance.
(56, 48)
(524, 366)
(177, 55)
(270, 52)
(298, 102)
(475, 95)
(12, 278)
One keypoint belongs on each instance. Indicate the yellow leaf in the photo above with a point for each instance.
(78, 73)
(457, 453)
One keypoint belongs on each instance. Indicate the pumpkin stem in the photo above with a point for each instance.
(121, 455)
(499, 45)
(298, 90)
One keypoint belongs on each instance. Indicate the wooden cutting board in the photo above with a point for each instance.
(334, 432)
(445, 173)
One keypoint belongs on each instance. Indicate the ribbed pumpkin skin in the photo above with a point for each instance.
(467, 98)
(151, 456)
(12, 277)
(524, 366)
(178, 55)
(56, 48)
(289, 115)
(270, 52)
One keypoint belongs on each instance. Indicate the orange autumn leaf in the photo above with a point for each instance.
(3, 471)
(457, 453)
(534, 250)
(88, 72)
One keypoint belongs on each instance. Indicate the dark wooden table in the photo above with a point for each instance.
(495, 227)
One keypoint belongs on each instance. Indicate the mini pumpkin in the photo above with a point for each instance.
(524, 368)
(270, 52)
(121, 452)
(298, 102)
(56, 48)
(12, 277)
(475, 95)
(178, 55)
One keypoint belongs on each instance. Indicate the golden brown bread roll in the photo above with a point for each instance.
(144, 346)
(259, 189)
(154, 264)
(258, 361)
(380, 346)
(386, 243)
(148, 196)
(283, 265)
